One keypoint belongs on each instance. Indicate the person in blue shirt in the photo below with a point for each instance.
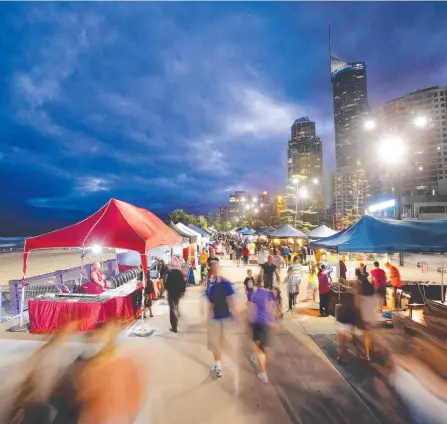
(220, 295)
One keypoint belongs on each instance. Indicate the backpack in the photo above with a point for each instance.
(220, 305)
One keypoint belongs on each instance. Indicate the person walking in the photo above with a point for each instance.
(324, 289)
(249, 284)
(203, 263)
(221, 306)
(366, 305)
(148, 293)
(238, 254)
(261, 318)
(268, 271)
(378, 276)
(246, 254)
(396, 281)
(285, 252)
(176, 287)
(312, 281)
(293, 281)
(342, 268)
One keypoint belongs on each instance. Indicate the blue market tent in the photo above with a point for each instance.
(375, 235)
(321, 232)
(287, 232)
(247, 232)
(265, 231)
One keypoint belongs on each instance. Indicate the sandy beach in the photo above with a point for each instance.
(42, 262)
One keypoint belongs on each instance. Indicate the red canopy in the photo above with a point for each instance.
(117, 224)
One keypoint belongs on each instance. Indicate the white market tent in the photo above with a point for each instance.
(287, 232)
(321, 232)
(187, 230)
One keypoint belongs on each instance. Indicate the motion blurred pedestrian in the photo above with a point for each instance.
(261, 318)
(324, 290)
(176, 287)
(396, 282)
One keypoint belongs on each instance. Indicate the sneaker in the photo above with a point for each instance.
(263, 377)
(289, 310)
(253, 360)
(217, 372)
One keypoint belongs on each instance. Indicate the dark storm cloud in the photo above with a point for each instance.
(175, 105)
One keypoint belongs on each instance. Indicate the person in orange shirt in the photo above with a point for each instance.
(396, 281)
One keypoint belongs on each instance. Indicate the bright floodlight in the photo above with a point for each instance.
(315, 180)
(370, 125)
(295, 181)
(255, 200)
(247, 207)
(392, 149)
(256, 210)
(421, 121)
(303, 193)
(96, 249)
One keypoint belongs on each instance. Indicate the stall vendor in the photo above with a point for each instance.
(97, 282)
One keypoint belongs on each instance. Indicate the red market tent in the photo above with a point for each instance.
(117, 224)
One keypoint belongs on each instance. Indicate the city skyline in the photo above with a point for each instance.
(189, 103)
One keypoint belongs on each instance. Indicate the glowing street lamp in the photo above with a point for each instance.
(421, 121)
(315, 181)
(303, 193)
(392, 149)
(370, 125)
(256, 210)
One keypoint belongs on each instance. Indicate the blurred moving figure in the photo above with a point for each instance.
(324, 288)
(112, 385)
(261, 318)
(366, 305)
(293, 281)
(148, 292)
(33, 403)
(396, 281)
(417, 371)
(176, 287)
(220, 295)
(312, 281)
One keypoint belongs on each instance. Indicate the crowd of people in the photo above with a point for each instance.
(74, 392)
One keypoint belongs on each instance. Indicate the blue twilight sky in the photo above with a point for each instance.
(170, 105)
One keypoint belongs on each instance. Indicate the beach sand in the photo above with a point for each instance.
(43, 261)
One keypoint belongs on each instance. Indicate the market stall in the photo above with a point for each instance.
(375, 235)
(116, 225)
(321, 232)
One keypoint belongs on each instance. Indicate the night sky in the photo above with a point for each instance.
(174, 105)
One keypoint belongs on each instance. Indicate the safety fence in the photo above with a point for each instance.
(15, 303)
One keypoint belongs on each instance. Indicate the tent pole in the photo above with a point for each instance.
(442, 279)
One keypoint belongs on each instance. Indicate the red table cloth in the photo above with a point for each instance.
(47, 316)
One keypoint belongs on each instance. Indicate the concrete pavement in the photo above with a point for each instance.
(304, 386)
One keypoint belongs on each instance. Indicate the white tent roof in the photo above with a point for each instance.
(286, 232)
(188, 230)
(322, 232)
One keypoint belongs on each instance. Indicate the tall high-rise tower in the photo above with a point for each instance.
(305, 158)
(350, 99)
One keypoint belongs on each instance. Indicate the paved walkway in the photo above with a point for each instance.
(304, 385)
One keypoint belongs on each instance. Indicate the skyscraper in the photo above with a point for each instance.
(305, 158)
(350, 99)
(425, 162)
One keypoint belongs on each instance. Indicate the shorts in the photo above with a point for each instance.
(261, 335)
(345, 329)
(381, 290)
(148, 300)
(219, 334)
(311, 288)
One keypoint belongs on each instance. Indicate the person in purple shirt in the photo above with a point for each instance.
(261, 317)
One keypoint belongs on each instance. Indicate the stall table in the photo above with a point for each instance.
(50, 313)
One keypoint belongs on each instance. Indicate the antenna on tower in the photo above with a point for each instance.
(330, 47)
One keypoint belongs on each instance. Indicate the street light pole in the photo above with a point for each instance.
(399, 209)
